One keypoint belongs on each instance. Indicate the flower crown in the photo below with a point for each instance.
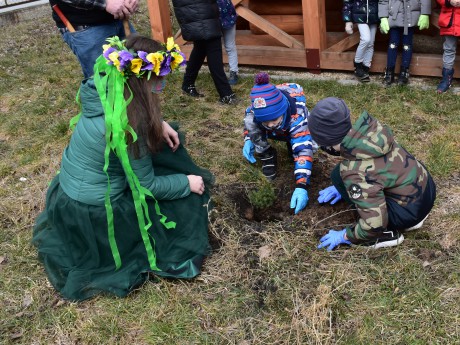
(129, 62)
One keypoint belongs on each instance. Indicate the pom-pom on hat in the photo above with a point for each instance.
(329, 121)
(268, 103)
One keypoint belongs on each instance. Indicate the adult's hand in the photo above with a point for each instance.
(332, 239)
(196, 184)
(299, 199)
(132, 6)
(170, 136)
(328, 194)
(384, 25)
(248, 151)
(117, 8)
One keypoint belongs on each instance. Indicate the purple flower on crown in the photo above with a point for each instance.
(106, 54)
(165, 66)
(125, 58)
(148, 66)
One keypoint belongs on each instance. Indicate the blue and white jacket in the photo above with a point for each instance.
(294, 130)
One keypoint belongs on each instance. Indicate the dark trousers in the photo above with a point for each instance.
(395, 40)
(211, 50)
(399, 217)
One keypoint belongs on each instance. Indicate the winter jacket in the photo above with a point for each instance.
(228, 14)
(82, 12)
(377, 172)
(82, 177)
(403, 13)
(293, 130)
(449, 19)
(198, 19)
(361, 11)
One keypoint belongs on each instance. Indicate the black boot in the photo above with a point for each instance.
(403, 78)
(446, 82)
(269, 162)
(191, 91)
(361, 72)
(389, 76)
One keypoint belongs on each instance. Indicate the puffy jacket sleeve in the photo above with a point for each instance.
(346, 10)
(383, 9)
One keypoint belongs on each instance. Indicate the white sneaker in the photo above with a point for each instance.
(417, 226)
(389, 239)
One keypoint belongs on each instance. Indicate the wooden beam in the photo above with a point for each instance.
(345, 44)
(314, 24)
(269, 28)
(160, 21)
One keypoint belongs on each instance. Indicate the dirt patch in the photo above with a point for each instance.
(318, 216)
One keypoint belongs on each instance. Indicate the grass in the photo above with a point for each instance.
(293, 294)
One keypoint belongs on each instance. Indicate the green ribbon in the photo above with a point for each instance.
(110, 84)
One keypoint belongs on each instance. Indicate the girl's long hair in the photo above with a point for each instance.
(144, 113)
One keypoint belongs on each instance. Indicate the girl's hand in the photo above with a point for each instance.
(170, 136)
(196, 184)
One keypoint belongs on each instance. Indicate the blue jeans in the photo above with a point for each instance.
(395, 40)
(87, 44)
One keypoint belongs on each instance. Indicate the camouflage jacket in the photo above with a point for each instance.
(376, 168)
(294, 130)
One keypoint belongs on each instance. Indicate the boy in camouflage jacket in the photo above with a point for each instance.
(279, 113)
(390, 189)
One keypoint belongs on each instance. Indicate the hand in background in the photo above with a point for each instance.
(170, 136)
(423, 22)
(349, 28)
(132, 5)
(117, 8)
(196, 184)
(384, 25)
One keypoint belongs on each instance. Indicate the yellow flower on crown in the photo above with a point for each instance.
(156, 59)
(170, 45)
(178, 59)
(105, 47)
(114, 58)
(136, 65)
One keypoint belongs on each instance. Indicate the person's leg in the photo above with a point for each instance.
(392, 53)
(364, 41)
(194, 63)
(406, 57)
(87, 44)
(216, 67)
(448, 60)
(369, 52)
(230, 47)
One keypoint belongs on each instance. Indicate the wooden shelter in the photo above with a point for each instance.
(302, 33)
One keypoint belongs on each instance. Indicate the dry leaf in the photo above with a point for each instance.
(264, 252)
(27, 301)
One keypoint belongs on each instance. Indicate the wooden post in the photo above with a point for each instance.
(314, 27)
(160, 19)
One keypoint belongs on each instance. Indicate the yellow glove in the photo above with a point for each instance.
(384, 25)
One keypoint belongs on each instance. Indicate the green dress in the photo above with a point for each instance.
(71, 233)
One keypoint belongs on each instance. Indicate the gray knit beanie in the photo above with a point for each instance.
(329, 121)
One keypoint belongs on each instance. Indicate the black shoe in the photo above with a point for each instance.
(362, 72)
(403, 78)
(269, 163)
(191, 91)
(389, 76)
(233, 78)
(388, 239)
(230, 99)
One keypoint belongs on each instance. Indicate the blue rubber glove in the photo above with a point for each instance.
(384, 25)
(328, 194)
(423, 22)
(299, 199)
(248, 151)
(332, 239)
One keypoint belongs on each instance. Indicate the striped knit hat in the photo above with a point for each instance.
(268, 103)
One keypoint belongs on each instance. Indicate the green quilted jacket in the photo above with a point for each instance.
(82, 177)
